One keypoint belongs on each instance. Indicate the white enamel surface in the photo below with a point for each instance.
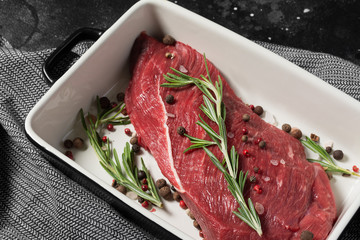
(258, 76)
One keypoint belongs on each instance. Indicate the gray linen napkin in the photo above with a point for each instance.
(37, 201)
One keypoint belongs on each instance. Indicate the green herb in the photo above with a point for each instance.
(326, 162)
(214, 109)
(106, 116)
(126, 173)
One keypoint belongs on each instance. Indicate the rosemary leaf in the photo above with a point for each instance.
(326, 161)
(125, 175)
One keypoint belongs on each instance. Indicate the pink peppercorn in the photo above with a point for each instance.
(127, 131)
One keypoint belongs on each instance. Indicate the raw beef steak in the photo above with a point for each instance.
(296, 194)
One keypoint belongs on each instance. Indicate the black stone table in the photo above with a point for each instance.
(329, 26)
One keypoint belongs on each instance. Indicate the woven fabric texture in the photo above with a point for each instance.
(37, 201)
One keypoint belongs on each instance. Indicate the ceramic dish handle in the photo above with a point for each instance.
(83, 34)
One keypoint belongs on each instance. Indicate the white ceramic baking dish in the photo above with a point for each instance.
(258, 76)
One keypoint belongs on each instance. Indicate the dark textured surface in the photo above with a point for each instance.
(328, 26)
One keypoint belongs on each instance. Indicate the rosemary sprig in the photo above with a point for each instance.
(326, 162)
(110, 116)
(126, 173)
(214, 109)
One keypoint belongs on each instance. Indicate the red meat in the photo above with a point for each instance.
(296, 194)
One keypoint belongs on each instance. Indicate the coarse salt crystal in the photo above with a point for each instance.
(230, 134)
(269, 118)
(183, 69)
(274, 162)
(259, 208)
(266, 179)
(282, 161)
(170, 115)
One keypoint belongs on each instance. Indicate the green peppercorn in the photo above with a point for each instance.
(262, 144)
(252, 179)
(244, 138)
(246, 117)
(181, 130)
(169, 99)
(338, 154)
(256, 169)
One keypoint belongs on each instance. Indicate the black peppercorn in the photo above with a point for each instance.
(296, 133)
(169, 99)
(262, 144)
(120, 96)
(141, 175)
(246, 117)
(104, 103)
(164, 191)
(181, 130)
(168, 40)
(196, 225)
(121, 189)
(160, 183)
(286, 127)
(256, 169)
(329, 175)
(176, 196)
(173, 188)
(68, 143)
(191, 215)
(133, 140)
(135, 148)
(140, 199)
(328, 149)
(338, 154)
(78, 143)
(314, 137)
(258, 110)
